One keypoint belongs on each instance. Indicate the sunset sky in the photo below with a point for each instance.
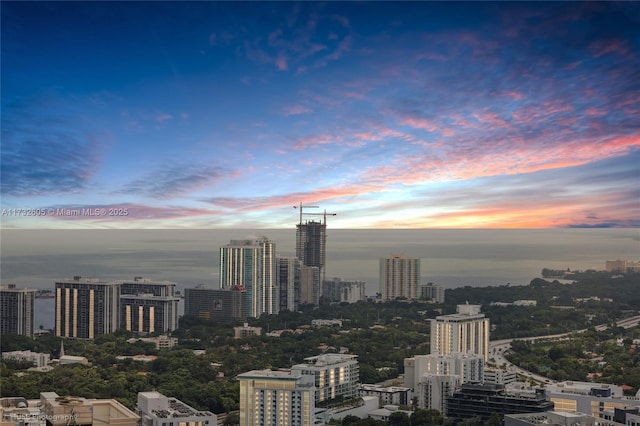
(391, 115)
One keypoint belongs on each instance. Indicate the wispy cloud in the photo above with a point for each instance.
(43, 153)
(175, 180)
(296, 110)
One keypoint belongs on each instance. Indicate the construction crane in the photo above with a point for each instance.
(325, 214)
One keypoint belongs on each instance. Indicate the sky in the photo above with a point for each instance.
(137, 115)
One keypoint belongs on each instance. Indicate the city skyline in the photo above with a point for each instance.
(391, 115)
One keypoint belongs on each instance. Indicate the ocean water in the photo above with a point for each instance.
(451, 258)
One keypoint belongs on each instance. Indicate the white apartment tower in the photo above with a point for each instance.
(465, 331)
(434, 377)
(276, 398)
(399, 277)
(252, 264)
(334, 374)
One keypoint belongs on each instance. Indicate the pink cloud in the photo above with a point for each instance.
(595, 111)
(515, 95)
(419, 123)
(314, 141)
(296, 110)
(282, 64)
(602, 47)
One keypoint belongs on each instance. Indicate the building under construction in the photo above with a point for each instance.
(311, 240)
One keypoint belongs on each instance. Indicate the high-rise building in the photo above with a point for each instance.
(311, 244)
(433, 390)
(469, 367)
(16, 310)
(288, 282)
(220, 305)
(251, 264)
(399, 277)
(336, 375)
(434, 377)
(310, 285)
(276, 398)
(86, 307)
(432, 292)
(339, 291)
(148, 306)
(465, 331)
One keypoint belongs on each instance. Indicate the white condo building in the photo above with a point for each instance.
(465, 331)
(399, 277)
(335, 375)
(339, 291)
(276, 398)
(434, 377)
(252, 264)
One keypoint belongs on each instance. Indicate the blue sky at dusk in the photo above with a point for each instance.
(392, 115)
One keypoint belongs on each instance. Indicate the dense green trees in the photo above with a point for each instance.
(381, 334)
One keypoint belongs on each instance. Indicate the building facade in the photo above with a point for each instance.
(465, 331)
(16, 310)
(432, 292)
(155, 409)
(468, 366)
(394, 395)
(37, 358)
(148, 306)
(86, 307)
(399, 277)
(251, 264)
(220, 305)
(311, 244)
(338, 291)
(276, 398)
(588, 397)
(310, 285)
(288, 273)
(475, 400)
(335, 375)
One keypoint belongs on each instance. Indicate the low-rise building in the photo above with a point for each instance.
(475, 400)
(160, 342)
(63, 411)
(589, 398)
(326, 322)
(156, 409)
(72, 359)
(246, 331)
(560, 418)
(38, 359)
(384, 413)
(394, 395)
(499, 376)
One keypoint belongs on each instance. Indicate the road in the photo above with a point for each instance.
(497, 348)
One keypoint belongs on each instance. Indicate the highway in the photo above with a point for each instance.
(497, 348)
